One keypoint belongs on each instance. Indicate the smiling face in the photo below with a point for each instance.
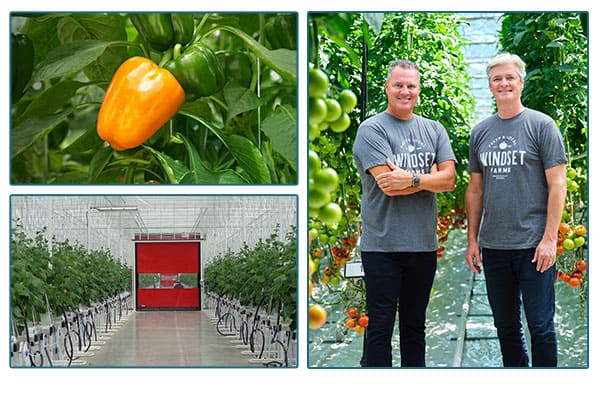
(402, 89)
(506, 85)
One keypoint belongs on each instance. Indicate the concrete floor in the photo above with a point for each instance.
(166, 339)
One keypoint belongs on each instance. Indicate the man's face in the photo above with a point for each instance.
(402, 90)
(505, 84)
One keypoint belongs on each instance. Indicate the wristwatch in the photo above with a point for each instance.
(416, 181)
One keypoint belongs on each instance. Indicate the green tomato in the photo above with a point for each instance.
(568, 244)
(313, 131)
(347, 100)
(317, 110)
(317, 198)
(318, 82)
(341, 124)
(578, 241)
(572, 185)
(326, 179)
(330, 214)
(334, 110)
(323, 238)
(314, 163)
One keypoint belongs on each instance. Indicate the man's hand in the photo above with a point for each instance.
(545, 255)
(394, 180)
(473, 257)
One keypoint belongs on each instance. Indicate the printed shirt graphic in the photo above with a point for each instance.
(414, 156)
(399, 223)
(513, 155)
(503, 153)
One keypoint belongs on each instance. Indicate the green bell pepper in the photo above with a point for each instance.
(198, 71)
(281, 32)
(183, 28)
(21, 65)
(161, 31)
(156, 29)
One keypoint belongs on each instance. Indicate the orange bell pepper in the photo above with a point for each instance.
(140, 99)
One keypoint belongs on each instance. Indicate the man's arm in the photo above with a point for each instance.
(545, 253)
(395, 181)
(474, 206)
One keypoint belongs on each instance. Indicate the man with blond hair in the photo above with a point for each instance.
(514, 203)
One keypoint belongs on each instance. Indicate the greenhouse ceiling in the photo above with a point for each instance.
(223, 222)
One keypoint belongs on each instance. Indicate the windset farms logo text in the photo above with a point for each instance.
(502, 157)
(414, 158)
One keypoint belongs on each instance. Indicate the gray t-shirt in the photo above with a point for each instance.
(399, 223)
(513, 154)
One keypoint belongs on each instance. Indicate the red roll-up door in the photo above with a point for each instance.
(166, 263)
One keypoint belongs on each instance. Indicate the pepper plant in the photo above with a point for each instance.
(59, 274)
(237, 125)
(264, 275)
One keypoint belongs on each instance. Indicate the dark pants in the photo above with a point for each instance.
(397, 282)
(510, 275)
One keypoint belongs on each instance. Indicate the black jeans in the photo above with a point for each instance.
(511, 276)
(397, 282)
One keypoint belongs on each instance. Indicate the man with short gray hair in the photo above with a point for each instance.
(514, 203)
(403, 160)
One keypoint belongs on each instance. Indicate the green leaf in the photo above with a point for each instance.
(375, 21)
(202, 109)
(78, 26)
(70, 58)
(239, 100)
(87, 141)
(33, 129)
(107, 27)
(51, 99)
(200, 174)
(174, 169)
(281, 128)
(282, 61)
(249, 158)
(99, 162)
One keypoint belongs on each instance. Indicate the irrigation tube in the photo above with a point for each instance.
(50, 343)
(265, 339)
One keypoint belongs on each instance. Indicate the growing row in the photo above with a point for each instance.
(262, 275)
(50, 274)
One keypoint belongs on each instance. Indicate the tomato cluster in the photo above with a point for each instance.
(571, 245)
(356, 320)
(323, 182)
(454, 218)
(327, 112)
(570, 238)
(575, 277)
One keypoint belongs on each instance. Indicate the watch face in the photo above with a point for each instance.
(416, 181)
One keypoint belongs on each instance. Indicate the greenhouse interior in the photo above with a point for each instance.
(153, 281)
(451, 51)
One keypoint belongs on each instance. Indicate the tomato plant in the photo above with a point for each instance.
(238, 123)
(344, 88)
(557, 84)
